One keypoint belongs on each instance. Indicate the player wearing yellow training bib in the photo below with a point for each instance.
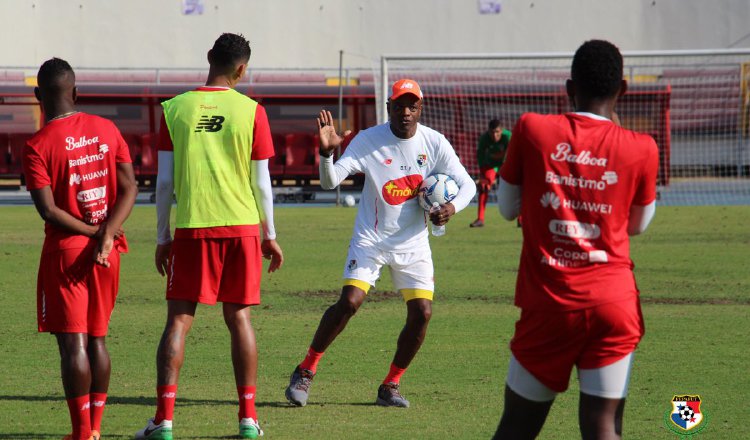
(213, 156)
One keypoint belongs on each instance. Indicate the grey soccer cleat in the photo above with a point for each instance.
(299, 386)
(388, 395)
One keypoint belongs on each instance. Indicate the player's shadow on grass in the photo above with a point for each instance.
(126, 400)
(36, 435)
(150, 401)
(31, 399)
(320, 404)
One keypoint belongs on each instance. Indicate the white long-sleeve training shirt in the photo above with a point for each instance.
(389, 215)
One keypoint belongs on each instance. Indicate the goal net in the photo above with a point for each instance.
(695, 104)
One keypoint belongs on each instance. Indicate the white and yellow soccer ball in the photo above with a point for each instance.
(440, 188)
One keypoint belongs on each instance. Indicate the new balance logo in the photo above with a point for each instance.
(168, 395)
(209, 124)
(248, 396)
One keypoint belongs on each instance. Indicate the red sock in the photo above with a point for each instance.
(98, 400)
(311, 360)
(80, 417)
(246, 395)
(482, 202)
(165, 397)
(394, 375)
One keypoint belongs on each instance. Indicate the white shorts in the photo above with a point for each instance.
(412, 272)
(609, 382)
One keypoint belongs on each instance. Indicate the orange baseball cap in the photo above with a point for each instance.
(404, 86)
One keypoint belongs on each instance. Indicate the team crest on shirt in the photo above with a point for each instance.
(398, 191)
(422, 160)
(686, 417)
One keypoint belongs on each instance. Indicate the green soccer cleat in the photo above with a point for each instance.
(152, 431)
(249, 428)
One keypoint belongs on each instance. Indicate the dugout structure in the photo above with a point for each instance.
(693, 103)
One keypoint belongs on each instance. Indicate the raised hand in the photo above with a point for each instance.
(329, 139)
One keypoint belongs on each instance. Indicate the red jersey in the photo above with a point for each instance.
(262, 149)
(76, 156)
(580, 175)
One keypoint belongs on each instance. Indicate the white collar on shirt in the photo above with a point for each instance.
(592, 116)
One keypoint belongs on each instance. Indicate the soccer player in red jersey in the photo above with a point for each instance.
(583, 185)
(213, 155)
(81, 179)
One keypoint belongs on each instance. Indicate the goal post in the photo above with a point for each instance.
(694, 104)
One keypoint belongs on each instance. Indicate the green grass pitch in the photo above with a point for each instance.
(691, 265)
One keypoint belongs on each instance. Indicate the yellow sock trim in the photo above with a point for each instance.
(357, 283)
(410, 294)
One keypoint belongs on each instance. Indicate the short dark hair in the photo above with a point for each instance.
(597, 69)
(229, 50)
(494, 123)
(52, 72)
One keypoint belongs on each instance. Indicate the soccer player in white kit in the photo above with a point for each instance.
(390, 228)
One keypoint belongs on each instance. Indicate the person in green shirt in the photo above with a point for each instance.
(490, 154)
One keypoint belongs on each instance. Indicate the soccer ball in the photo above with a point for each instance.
(439, 188)
(349, 201)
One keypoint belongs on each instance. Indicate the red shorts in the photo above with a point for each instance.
(74, 295)
(207, 270)
(487, 176)
(549, 343)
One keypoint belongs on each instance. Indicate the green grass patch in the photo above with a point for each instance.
(691, 266)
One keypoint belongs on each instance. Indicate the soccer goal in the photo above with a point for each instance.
(694, 103)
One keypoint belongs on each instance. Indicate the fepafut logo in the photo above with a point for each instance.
(398, 191)
(686, 417)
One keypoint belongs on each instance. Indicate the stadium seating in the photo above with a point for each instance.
(6, 159)
(276, 164)
(148, 153)
(14, 152)
(301, 157)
